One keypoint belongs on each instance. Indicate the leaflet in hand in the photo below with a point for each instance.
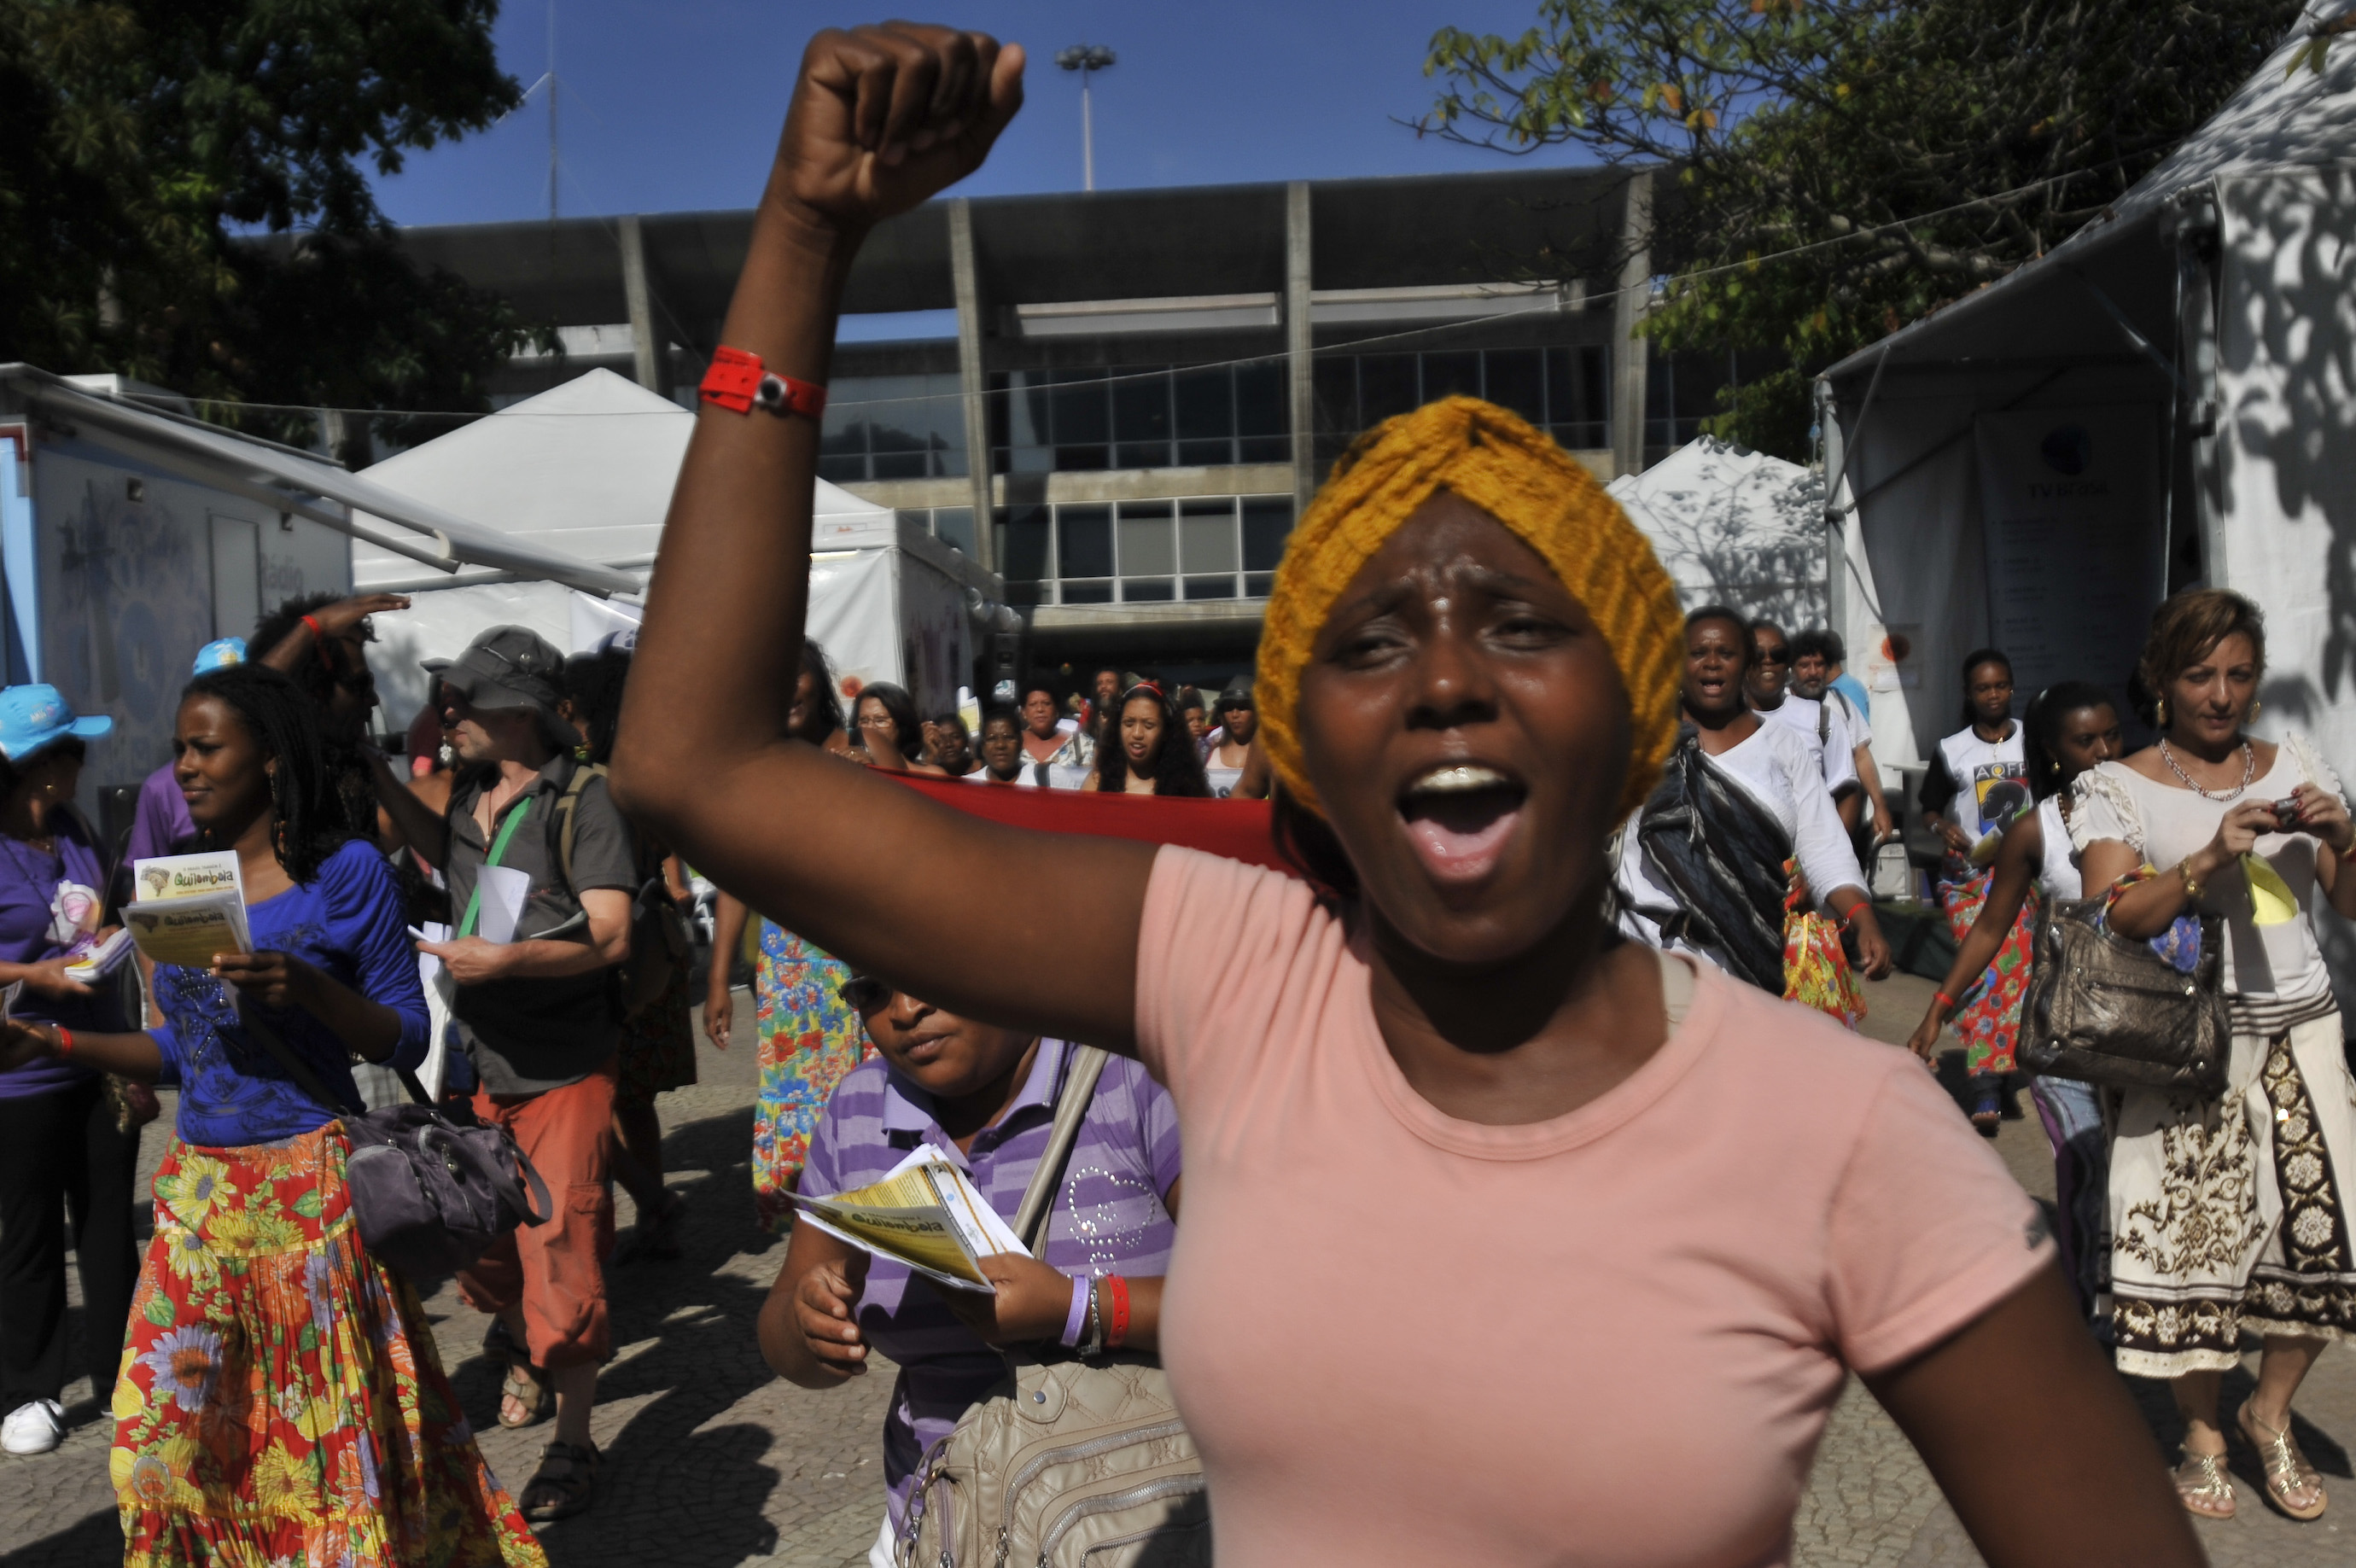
(191, 907)
(185, 876)
(101, 960)
(924, 1214)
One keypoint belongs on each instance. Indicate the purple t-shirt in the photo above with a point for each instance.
(28, 892)
(161, 819)
(1110, 1218)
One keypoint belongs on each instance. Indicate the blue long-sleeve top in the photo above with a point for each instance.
(347, 922)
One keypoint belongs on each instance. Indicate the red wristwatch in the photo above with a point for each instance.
(739, 382)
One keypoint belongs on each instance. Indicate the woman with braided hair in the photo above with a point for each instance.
(1508, 1240)
(279, 1397)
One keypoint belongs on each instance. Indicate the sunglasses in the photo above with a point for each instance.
(863, 994)
(1774, 656)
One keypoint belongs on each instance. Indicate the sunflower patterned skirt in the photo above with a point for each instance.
(280, 1399)
(811, 1039)
(1990, 1025)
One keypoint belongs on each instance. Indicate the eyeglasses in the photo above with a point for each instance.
(875, 722)
(1774, 656)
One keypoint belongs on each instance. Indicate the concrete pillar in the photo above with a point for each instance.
(1301, 379)
(972, 380)
(648, 347)
(1629, 353)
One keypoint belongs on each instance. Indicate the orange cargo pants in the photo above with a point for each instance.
(557, 1270)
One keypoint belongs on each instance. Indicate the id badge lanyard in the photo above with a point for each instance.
(499, 847)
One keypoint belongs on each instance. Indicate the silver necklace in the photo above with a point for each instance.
(2249, 771)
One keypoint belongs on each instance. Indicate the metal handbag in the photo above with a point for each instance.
(2105, 1009)
(1070, 1462)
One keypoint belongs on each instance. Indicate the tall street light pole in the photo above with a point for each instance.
(1085, 58)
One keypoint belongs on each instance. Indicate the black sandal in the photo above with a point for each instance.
(562, 1496)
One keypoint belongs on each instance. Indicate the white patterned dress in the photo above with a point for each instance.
(2232, 1214)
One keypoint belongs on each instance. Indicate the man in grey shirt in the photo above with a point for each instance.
(539, 1016)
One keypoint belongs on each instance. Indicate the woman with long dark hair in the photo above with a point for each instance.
(2068, 728)
(1146, 748)
(280, 1397)
(1679, 1211)
(65, 1141)
(2230, 1216)
(1706, 864)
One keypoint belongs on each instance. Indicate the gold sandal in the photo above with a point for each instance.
(2286, 1468)
(2202, 1486)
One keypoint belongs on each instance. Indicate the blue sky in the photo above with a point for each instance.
(674, 105)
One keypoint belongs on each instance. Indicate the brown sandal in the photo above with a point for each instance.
(548, 1498)
(2202, 1486)
(523, 1385)
(2286, 1468)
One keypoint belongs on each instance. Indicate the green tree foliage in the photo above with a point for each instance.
(183, 200)
(1843, 166)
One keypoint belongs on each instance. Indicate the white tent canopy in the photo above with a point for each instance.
(1734, 527)
(585, 468)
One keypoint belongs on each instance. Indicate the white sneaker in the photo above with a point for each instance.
(34, 1428)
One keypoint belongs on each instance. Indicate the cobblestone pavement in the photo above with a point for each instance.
(711, 1460)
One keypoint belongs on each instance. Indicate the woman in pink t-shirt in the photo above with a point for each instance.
(1507, 1240)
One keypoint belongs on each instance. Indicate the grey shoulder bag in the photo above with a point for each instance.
(2104, 1008)
(1070, 1462)
(430, 1193)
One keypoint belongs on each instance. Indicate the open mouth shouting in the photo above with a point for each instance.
(1458, 817)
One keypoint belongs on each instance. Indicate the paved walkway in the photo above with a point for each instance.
(711, 1460)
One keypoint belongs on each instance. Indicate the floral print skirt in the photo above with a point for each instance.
(2234, 1214)
(811, 1039)
(280, 1398)
(1990, 1025)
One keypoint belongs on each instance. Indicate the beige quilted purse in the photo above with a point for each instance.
(1070, 1462)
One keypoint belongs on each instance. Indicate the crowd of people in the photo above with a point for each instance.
(1561, 855)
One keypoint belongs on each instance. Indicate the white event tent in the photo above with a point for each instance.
(587, 468)
(2165, 399)
(1734, 527)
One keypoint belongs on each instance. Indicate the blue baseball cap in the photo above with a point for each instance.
(222, 655)
(34, 716)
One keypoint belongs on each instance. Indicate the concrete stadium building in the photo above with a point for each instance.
(1157, 377)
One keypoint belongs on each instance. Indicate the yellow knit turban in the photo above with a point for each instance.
(1516, 473)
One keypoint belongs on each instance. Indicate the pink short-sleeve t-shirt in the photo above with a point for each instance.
(1611, 1337)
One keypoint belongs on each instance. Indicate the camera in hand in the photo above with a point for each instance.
(2286, 813)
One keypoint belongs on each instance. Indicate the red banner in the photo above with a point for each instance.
(1237, 829)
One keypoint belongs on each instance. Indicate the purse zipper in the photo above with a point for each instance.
(1149, 1491)
(1088, 1450)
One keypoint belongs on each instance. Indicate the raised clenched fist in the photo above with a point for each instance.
(885, 115)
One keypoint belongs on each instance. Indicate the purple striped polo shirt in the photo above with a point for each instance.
(1109, 1218)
